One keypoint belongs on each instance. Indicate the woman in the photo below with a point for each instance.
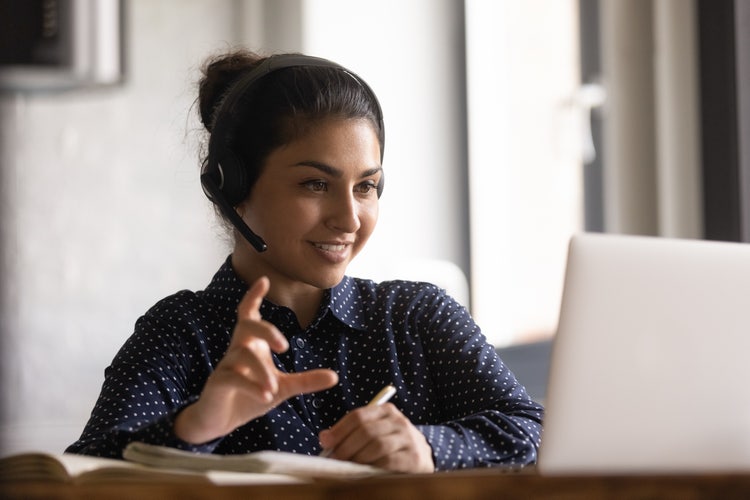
(282, 350)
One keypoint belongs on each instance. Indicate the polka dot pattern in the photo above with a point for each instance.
(450, 382)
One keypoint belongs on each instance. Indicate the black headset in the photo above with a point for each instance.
(225, 179)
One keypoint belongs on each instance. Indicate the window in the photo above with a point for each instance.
(525, 157)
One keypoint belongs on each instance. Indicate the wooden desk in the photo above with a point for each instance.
(473, 484)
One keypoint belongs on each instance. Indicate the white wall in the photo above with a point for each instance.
(102, 213)
(102, 216)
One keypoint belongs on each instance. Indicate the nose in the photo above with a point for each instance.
(343, 214)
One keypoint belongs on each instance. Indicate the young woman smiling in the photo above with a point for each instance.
(283, 350)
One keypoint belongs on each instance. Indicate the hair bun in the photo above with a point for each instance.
(218, 76)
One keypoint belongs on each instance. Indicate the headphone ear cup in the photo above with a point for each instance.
(235, 179)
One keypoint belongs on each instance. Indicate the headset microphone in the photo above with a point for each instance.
(213, 191)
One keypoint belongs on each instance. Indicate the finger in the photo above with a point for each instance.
(381, 439)
(233, 382)
(248, 316)
(378, 449)
(361, 418)
(246, 331)
(252, 360)
(288, 385)
(249, 307)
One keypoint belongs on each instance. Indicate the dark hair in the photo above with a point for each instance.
(280, 107)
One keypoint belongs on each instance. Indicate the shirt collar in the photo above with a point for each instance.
(346, 304)
(344, 301)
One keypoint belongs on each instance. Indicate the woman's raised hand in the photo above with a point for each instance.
(246, 383)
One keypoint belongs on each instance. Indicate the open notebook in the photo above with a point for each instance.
(650, 368)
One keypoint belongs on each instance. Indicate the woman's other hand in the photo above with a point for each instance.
(381, 436)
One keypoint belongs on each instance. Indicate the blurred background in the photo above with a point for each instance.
(510, 126)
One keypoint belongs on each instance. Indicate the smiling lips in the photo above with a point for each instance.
(335, 253)
(330, 248)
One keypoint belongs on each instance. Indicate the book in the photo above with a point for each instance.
(147, 463)
(80, 469)
(265, 462)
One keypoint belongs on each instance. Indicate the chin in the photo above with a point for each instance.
(328, 281)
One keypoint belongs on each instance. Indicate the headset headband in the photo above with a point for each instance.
(269, 65)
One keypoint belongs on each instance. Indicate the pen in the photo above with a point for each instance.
(380, 398)
(383, 396)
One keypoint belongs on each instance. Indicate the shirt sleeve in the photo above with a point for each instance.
(488, 419)
(152, 378)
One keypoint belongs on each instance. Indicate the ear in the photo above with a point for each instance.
(242, 208)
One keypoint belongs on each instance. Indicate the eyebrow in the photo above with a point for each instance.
(333, 171)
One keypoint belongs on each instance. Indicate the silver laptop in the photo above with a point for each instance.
(650, 368)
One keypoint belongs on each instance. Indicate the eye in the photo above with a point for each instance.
(316, 185)
(367, 187)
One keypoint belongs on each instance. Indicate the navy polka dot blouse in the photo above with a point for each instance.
(450, 382)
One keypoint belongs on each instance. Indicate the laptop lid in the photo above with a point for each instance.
(650, 367)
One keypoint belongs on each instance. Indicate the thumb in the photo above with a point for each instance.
(305, 382)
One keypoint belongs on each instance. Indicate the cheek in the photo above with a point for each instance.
(368, 218)
(273, 215)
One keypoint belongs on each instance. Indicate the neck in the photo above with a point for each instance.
(301, 298)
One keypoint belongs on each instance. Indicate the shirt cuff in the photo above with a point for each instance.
(161, 433)
(449, 451)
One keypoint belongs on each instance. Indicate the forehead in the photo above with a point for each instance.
(353, 138)
(302, 127)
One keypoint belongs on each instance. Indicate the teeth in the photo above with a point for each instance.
(330, 248)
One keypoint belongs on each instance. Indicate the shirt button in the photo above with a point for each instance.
(300, 343)
(316, 403)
